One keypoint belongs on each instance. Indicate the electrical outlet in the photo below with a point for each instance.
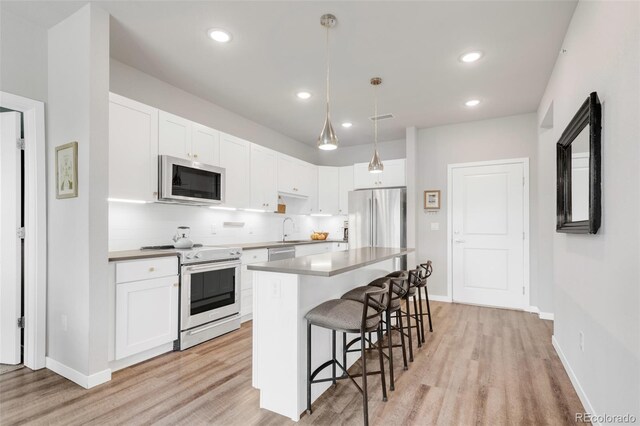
(435, 226)
(63, 322)
(581, 340)
(214, 229)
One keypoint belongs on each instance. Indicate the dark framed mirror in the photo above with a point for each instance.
(578, 163)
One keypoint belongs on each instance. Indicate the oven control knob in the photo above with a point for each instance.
(237, 252)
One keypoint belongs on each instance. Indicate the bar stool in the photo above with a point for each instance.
(349, 316)
(425, 272)
(397, 290)
(411, 281)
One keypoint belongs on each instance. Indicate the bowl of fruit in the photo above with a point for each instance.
(319, 235)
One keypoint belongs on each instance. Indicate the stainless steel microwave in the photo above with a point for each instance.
(189, 182)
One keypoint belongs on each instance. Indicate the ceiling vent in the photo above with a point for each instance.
(382, 117)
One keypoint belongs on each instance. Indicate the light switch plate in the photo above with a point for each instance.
(435, 226)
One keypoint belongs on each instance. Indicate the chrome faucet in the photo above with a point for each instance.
(283, 223)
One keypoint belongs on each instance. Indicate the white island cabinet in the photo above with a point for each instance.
(284, 291)
(143, 309)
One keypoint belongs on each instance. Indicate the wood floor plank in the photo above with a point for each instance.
(480, 366)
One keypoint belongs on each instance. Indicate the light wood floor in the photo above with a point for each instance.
(479, 366)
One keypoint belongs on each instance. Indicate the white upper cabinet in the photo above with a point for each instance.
(133, 150)
(296, 177)
(205, 144)
(346, 185)
(235, 157)
(182, 138)
(174, 136)
(393, 175)
(264, 178)
(328, 190)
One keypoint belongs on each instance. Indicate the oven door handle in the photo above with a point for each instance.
(194, 269)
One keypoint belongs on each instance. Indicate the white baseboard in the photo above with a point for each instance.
(541, 315)
(75, 376)
(140, 357)
(438, 298)
(247, 317)
(574, 379)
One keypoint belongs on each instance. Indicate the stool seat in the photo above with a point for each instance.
(359, 293)
(342, 315)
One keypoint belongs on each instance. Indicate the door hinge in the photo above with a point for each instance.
(21, 322)
(523, 181)
(20, 232)
(20, 144)
(523, 290)
(523, 237)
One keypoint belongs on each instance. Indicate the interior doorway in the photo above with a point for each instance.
(23, 231)
(488, 206)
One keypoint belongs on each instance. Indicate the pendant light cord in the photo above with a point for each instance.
(375, 117)
(327, 52)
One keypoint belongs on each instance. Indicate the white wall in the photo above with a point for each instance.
(348, 155)
(132, 226)
(135, 84)
(23, 57)
(78, 86)
(596, 277)
(495, 139)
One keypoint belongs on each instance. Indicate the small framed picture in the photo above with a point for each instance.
(67, 170)
(432, 199)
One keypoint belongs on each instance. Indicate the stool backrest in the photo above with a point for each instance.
(376, 300)
(425, 270)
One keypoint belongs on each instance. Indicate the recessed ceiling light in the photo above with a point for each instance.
(221, 36)
(471, 57)
(347, 124)
(472, 102)
(303, 95)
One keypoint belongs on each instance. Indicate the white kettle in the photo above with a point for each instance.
(181, 240)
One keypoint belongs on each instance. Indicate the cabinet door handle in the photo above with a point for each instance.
(151, 269)
(189, 154)
(175, 284)
(195, 155)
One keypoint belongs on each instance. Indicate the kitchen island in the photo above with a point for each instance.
(284, 291)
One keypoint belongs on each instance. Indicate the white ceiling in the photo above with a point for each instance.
(278, 49)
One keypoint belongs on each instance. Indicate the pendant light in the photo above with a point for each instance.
(327, 140)
(375, 165)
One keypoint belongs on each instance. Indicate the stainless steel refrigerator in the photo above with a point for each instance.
(378, 218)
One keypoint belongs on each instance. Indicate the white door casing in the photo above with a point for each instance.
(488, 233)
(10, 242)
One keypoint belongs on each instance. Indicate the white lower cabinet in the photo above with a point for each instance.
(314, 248)
(246, 280)
(146, 315)
(340, 246)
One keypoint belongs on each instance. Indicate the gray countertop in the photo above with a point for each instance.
(330, 264)
(272, 244)
(115, 256)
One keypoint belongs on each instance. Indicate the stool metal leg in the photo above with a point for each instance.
(390, 343)
(418, 319)
(365, 396)
(333, 356)
(308, 367)
(404, 348)
(421, 313)
(426, 294)
(344, 350)
(384, 385)
(408, 307)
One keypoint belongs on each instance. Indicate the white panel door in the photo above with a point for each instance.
(264, 178)
(133, 150)
(328, 190)
(10, 257)
(146, 315)
(174, 135)
(205, 144)
(488, 235)
(235, 157)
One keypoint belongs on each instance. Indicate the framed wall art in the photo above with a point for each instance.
(67, 170)
(432, 199)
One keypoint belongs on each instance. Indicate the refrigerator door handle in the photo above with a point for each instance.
(374, 234)
(371, 224)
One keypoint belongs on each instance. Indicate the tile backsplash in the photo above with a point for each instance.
(132, 226)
